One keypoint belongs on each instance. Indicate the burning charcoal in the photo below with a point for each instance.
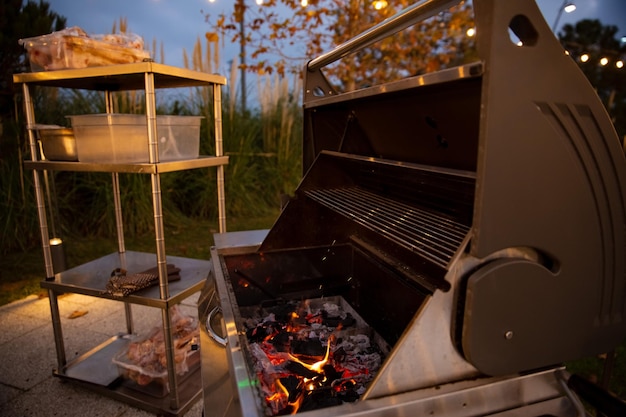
(256, 334)
(331, 373)
(319, 399)
(293, 387)
(263, 331)
(299, 369)
(338, 321)
(281, 341)
(346, 389)
(330, 321)
(340, 355)
(283, 312)
(309, 347)
(348, 392)
(348, 321)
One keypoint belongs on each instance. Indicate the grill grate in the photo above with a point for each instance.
(433, 236)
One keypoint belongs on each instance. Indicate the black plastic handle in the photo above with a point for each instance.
(602, 400)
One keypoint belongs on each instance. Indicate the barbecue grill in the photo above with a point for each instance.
(470, 223)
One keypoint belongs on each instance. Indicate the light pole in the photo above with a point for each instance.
(568, 7)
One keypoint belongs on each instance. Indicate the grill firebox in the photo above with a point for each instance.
(483, 264)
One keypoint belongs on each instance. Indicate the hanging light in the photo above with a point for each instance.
(584, 58)
(603, 61)
(471, 32)
(619, 64)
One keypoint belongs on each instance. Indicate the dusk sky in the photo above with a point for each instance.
(177, 24)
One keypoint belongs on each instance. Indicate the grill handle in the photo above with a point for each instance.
(401, 20)
(212, 333)
(602, 400)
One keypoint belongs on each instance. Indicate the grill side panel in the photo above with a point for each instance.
(551, 176)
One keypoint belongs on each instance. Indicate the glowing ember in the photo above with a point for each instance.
(308, 358)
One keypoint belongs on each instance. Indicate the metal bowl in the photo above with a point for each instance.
(58, 144)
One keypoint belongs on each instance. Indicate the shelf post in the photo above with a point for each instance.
(153, 148)
(219, 151)
(43, 227)
(119, 219)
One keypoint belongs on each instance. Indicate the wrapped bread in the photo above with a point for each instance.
(74, 48)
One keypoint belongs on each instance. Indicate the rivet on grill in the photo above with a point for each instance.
(508, 335)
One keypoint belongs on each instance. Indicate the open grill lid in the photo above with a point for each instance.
(513, 154)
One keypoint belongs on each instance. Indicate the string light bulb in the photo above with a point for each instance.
(379, 4)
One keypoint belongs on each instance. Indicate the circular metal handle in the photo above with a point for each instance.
(219, 339)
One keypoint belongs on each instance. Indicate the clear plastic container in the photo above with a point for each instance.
(123, 138)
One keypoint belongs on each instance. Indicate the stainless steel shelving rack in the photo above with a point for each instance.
(94, 368)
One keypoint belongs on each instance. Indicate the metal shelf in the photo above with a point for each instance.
(91, 278)
(135, 168)
(93, 370)
(120, 77)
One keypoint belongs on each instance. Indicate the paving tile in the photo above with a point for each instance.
(8, 393)
(14, 325)
(32, 306)
(53, 397)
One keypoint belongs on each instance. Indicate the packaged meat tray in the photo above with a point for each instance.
(143, 364)
(73, 48)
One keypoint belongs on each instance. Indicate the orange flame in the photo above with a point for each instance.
(317, 366)
(284, 394)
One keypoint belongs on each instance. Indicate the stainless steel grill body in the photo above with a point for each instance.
(475, 217)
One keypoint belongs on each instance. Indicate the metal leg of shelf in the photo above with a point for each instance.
(117, 201)
(57, 329)
(169, 352)
(39, 197)
(153, 148)
(221, 203)
(121, 248)
(219, 151)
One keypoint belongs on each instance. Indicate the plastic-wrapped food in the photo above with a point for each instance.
(74, 48)
(144, 360)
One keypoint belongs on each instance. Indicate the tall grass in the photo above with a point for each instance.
(263, 144)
